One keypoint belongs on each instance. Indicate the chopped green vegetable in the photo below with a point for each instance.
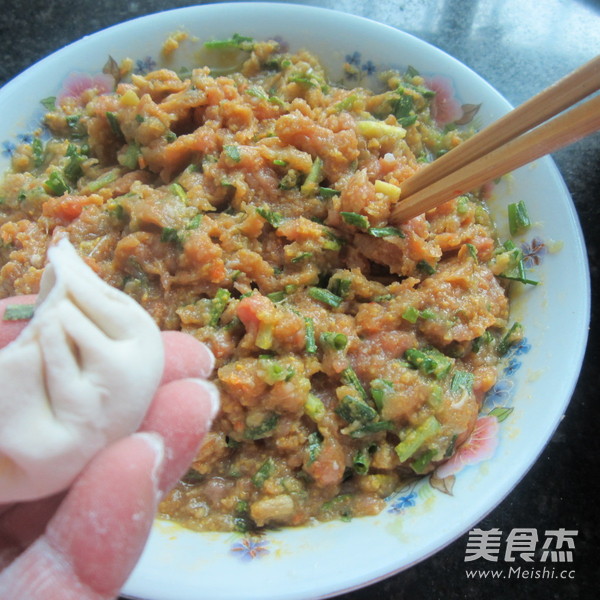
(518, 218)
(73, 170)
(340, 286)
(170, 136)
(325, 296)
(37, 151)
(264, 336)
(114, 124)
(280, 163)
(178, 190)
(371, 428)
(355, 219)
(429, 361)
(236, 41)
(472, 251)
(18, 312)
(314, 446)
(56, 185)
(478, 342)
(218, 305)
(169, 234)
(49, 103)
(417, 437)
(130, 158)
(361, 461)
(314, 407)
(514, 335)
(272, 371)
(381, 232)
(424, 266)
(233, 152)
(331, 241)
(103, 181)
(422, 462)
(309, 335)
(302, 256)
(257, 92)
(290, 180)
(264, 472)
(326, 192)
(263, 430)
(379, 389)
(462, 381)
(276, 296)
(194, 222)
(513, 256)
(427, 314)
(353, 409)
(349, 377)
(346, 104)
(311, 183)
(411, 314)
(273, 218)
(335, 341)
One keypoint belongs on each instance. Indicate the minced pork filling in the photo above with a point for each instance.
(251, 210)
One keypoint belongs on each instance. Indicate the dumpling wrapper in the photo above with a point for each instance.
(80, 375)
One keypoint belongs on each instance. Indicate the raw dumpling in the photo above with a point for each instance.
(80, 375)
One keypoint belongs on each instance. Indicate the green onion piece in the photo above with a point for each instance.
(56, 185)
(302, 256)
(194, 222)
(218, 305)
(290, 288)
(264, 429)
(462, 381)
(257, 92)
(411, 314)
(355, 219)
(140, 118)
(49, 103)
(478, 342)
(407, 121)
(276, 296)
(238, 41)
(311, 183)
(346, 104)
(326, 192)
(272, 371)
(371, 428)
(314, 446)
(381, 232)
(462, 205)
(429, 361)
(331, 241)
(325, 296)
(427, 314)
(314, 408)
(473, 252)
(361, 461)
(353, 409)
(424, 266)
(169, 234)
(280, 163)
(178, 190)
(518, 218)
(103, 180)
(349, 377)
(340, 286)
(303, 80)
(264, 336)
(383, 298)
(233, 152)
(18, 312)
(130, 158)
(309, 336)
(264, 472)
(114, 124)
(379, 389)
(170, 136)
(436, 395)
(514, 335)
(417, 437)
(422, 462)
(335, 341)
(273, 218)
(37, 150)
(72, 170)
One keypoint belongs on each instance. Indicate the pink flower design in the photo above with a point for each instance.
(78, 83)
(444, 106)
(480, 446)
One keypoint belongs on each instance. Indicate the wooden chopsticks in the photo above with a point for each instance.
(504, 146)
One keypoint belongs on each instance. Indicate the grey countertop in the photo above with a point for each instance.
(519, 46)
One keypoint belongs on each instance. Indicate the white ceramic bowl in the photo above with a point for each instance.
(525, 405)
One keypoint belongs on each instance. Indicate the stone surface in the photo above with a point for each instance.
(519, 46)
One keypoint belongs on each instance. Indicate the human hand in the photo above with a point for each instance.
(82, 544)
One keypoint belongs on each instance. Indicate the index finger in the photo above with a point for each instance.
(10, 329)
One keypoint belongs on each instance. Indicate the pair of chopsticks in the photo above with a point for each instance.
(516, 139)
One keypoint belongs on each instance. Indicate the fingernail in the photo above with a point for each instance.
(211, 362)
(156, 443)
(213, 395)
